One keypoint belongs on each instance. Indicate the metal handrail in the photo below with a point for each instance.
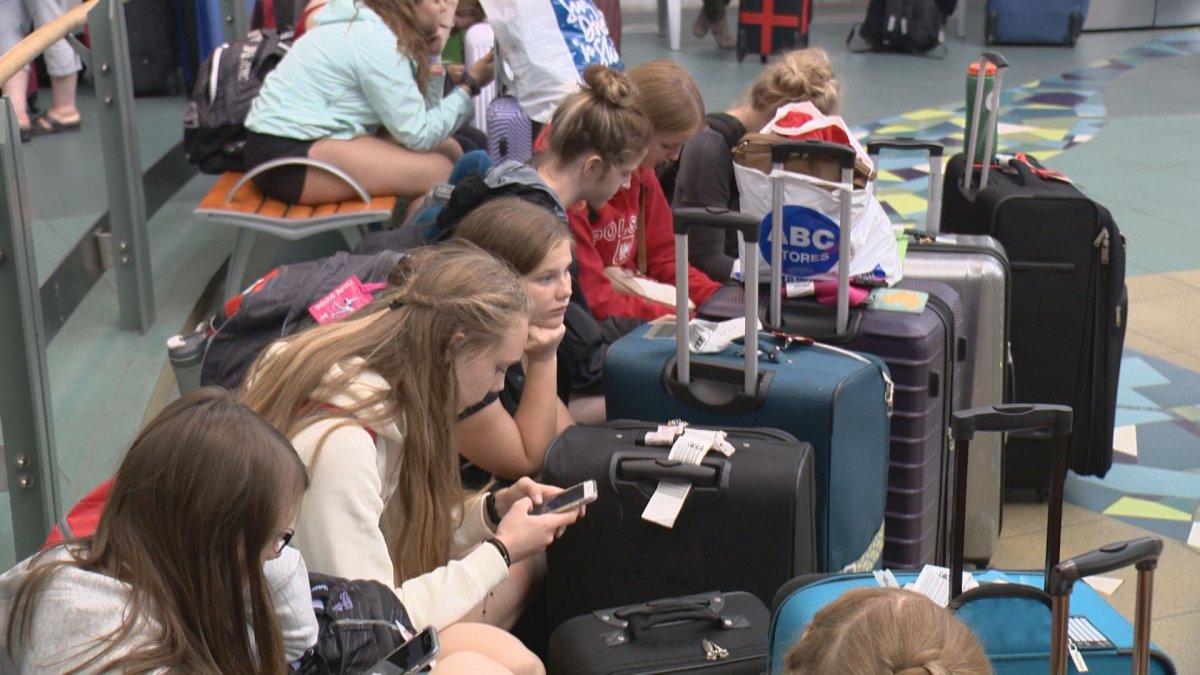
(25, 51)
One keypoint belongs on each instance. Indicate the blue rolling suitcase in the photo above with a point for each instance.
(837, 400)
(1030, 620)
(1047, 22)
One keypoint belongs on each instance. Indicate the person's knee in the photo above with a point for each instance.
(468, 663)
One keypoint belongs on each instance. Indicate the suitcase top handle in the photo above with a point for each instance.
(1011, 417)
(1143, 552)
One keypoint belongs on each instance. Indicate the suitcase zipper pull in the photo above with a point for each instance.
(1101, 242)
(713, 651)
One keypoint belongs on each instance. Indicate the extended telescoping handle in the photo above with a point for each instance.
(933, 214)
(1009, 417)
(844, 156)
(748, 227)
(989, 136)
(1143, 552)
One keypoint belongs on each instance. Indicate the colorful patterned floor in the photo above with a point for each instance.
(1154, 482)
(1155, 479)
(1041, 118)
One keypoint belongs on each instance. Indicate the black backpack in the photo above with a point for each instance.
(214, 135)
(276, 306)
(908, 26)
(359, 622)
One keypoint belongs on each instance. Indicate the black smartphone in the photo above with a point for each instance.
(410, 657)
(571, 498)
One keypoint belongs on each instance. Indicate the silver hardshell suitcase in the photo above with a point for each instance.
(975, 266)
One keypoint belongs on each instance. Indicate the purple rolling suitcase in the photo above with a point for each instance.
(510, 131)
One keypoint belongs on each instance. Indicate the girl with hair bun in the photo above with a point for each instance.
(363, 91)
(705, 176)
(189, 568)
(608, 235)
(370, 403)
(886, 631)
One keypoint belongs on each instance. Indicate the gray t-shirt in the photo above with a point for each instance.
(705, 178)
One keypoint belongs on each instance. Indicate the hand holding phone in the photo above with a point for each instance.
(569, 499)
(419, 651)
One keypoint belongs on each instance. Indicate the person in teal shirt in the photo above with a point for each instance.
(363, 90)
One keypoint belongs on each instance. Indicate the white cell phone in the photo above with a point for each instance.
(410, 657)
(569, 499)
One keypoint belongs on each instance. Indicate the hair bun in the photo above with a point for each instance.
(610, 85)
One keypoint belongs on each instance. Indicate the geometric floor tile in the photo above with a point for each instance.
(1142, 508)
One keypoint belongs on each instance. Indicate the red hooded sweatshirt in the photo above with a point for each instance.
(611, 240)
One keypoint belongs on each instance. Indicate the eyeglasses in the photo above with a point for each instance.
(283, 540)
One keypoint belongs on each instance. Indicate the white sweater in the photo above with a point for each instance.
(338, 528)
(77, 607)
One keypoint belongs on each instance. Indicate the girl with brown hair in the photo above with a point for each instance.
(705, 176)
(370, 404)
(507, 434)
(608, 235)
(359, 92)
(188, 569)
(886, 631)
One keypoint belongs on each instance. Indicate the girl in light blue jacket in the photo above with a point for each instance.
(363, 92)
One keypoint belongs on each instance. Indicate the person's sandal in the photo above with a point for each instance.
(26, 134)
(701, 26)
(52, 126)
(725, 36)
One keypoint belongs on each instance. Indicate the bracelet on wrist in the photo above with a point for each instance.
(502, 549)
(470, 82)
(489, 504)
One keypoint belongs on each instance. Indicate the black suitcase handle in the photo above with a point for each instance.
(904, 143)
(1011, 417)
(1142, 552)
(1008, 417)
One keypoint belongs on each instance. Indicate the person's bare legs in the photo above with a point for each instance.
(505, 603)
(380, 165)
(62, 90)
(490, 643)
(16, 89)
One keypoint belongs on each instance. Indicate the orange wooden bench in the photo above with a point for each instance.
(234, 200)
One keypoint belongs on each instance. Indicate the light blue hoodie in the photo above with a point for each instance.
(345, 78)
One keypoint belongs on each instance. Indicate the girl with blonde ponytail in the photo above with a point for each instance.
(369, 404)
(705, 176)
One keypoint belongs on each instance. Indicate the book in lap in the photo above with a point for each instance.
(631, 283)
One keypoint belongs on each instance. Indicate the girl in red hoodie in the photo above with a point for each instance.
(608, 236)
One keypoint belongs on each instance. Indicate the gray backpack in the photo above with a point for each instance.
(214, 132)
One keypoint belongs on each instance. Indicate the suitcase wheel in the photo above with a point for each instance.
(762, 58)
(989, 28)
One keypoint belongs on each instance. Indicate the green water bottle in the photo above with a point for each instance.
(990, 101)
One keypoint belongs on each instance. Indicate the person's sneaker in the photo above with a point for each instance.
(725, 36)
(700, 26)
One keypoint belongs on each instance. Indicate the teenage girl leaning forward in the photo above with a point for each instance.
(507, 434)
(188, 569)
(705, 175)
(370, 403)
(358, 92)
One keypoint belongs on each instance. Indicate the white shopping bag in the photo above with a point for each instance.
(812, 227)
(547, 44)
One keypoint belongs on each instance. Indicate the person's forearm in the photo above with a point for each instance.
(537, 414)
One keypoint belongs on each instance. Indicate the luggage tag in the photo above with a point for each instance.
(665, 434)
(350, 296)
(667, 501)
(934, 583)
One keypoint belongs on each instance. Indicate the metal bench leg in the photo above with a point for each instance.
(239, 261)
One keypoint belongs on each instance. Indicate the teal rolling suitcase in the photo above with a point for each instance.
(837, 400)
(1031, 621)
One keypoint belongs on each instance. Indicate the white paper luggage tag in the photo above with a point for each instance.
(934, 583)
(690, 448)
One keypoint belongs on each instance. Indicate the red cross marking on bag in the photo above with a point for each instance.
(769, 20)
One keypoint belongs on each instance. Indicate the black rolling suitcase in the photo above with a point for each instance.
(767, 27)
(706, 633)
(748, 522)
(1069, 302)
